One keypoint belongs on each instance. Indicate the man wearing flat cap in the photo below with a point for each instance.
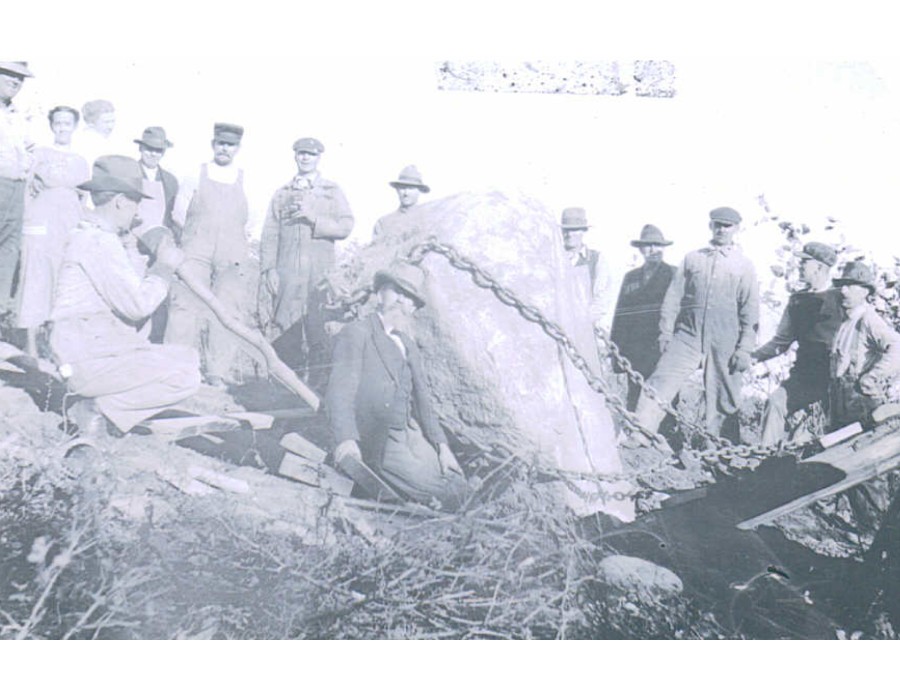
(865, 354)
(215, 218)
(16, 156)
(378, 404)
(102, 299)
(592, 276)
(709, 319)
(401, 223)
(635, 328)
(810, 321)
(305, 217)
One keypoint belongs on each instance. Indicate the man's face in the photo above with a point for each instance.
(63, 126)
(813, 272)
(573, 239)
(9, 85)
(408, 195)
(853, 296)
(126, 213)
(105, 123)
(307, 162)
(652, 253)
(723, 232)
(150, 156)
(397, 307)
(224, 152)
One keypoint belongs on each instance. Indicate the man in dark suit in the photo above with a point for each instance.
(378, 403)
(635, 328)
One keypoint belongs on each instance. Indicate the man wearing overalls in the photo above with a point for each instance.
(214, 214)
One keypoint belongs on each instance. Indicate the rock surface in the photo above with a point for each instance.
(496, 377)
(638, 579)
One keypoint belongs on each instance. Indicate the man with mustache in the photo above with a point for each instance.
(400, 224)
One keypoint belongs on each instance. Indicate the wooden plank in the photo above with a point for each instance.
(300, 468)
(218, 480)
(258, 421)
(297, 444)
(334, 482)
(182, 427)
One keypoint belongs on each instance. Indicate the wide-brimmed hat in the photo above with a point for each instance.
(228, 132)
(116, 173)
(856, 273)
(574, 218)
(819, 252)
(410, 178)
(155, 137)
(408, 278)
(309, 145)
(727, 215)
(19, 68)
(651, 236)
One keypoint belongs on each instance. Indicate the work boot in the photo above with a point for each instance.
(90, 422)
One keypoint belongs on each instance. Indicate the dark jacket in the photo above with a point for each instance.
(170, 188)
(373, 388)
(635, 328)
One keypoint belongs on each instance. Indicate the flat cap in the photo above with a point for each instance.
(228, 132)
(819, 252)
(309, 145)
(729, 215)
(856, 273)
(408, 278)
(15, 67)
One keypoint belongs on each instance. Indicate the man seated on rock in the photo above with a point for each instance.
(810, 320)
(865, 355)
(101, 300)
(378, 403)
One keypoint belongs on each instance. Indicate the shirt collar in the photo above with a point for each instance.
(302, 181)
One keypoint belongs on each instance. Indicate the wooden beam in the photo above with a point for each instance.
(299, 445)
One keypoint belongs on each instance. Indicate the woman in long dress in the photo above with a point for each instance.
(52, 210)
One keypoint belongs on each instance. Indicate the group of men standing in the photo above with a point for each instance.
(669, 322)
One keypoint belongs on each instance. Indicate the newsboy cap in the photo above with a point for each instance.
(155, 137)
(410, 178)
(19, 68)
(856, 273)
(574, 218)
(309, 145)
(728, 215)
(408, 278)
(819, 252)
(228, 132)
(651, 235)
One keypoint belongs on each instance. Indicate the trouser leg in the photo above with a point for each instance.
(411, 465)
(675, 366)
(774, 416)
(12, 209)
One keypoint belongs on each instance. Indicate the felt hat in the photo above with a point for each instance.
(727, 215)
(115, 173)
(228, 132)
(408, 278)
(651, 236)
(155, 137)
(410, 178)
(856, 273)
(574, 218)
(19, 68)
(819, 252)
(308, 145)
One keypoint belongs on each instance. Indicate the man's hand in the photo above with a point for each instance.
(664, 341)
(332, 328)
(169, 255)
(448, 461)
(348, 447)
(36, 186)
(740, 361)
(869, 386)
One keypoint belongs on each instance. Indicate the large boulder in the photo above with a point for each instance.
(496, 377)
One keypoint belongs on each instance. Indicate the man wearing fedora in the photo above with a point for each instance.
(214, 215)
(709, 319)
(16, 153)
(100, 300)
(635, 328)
(593, 279)
(305, 217)
(400, 223)
(378, 403)
(810, 321)
(865, 354)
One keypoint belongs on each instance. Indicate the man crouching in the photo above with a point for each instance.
(379, 407)
(102, 302)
